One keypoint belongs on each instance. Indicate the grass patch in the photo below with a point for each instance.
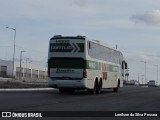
(9, 84)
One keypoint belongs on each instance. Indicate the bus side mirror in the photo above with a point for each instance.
(124, 65)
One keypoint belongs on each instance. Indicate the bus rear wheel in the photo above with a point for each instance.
(97, 88)
(92, 91)
(118, 85)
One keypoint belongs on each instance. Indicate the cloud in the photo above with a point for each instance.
(143, 56)
(80, 3)
(149, 17)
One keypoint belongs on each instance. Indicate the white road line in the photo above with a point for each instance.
(27, 89)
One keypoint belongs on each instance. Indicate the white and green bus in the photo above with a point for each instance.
(75, 62)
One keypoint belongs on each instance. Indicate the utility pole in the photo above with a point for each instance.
(138, 78)
(145, 71)
(13, 48)
(157, 73)
(20, 65)
(27, 59)
(127, 73)
(142, 79)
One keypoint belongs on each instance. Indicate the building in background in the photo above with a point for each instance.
(28, 71)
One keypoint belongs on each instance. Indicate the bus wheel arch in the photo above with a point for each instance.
(94, 90)
(118, 85)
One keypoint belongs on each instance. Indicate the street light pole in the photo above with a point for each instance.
(157, 73)
(142, 79)
(27, 59)
(20, 64)
(145, 71)
(13, 48)
(138, 78)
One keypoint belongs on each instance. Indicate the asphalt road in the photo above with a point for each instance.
(127, 99)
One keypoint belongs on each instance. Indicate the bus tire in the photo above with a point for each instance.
(99, 87)
(118, 85)
(94, 90)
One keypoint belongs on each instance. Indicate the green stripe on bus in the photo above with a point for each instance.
(81, 64)
(98, 66)
(113, 68)
(93, 65)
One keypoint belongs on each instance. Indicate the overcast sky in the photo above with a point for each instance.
(133, 25)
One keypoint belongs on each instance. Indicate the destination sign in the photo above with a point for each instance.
(66, 47)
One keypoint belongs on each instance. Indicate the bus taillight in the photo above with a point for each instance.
(84, 73)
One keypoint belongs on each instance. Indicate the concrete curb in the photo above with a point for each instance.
(27, 89)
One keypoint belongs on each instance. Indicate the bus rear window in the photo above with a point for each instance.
(77, 63)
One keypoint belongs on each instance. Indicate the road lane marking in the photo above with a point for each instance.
(27, 89)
